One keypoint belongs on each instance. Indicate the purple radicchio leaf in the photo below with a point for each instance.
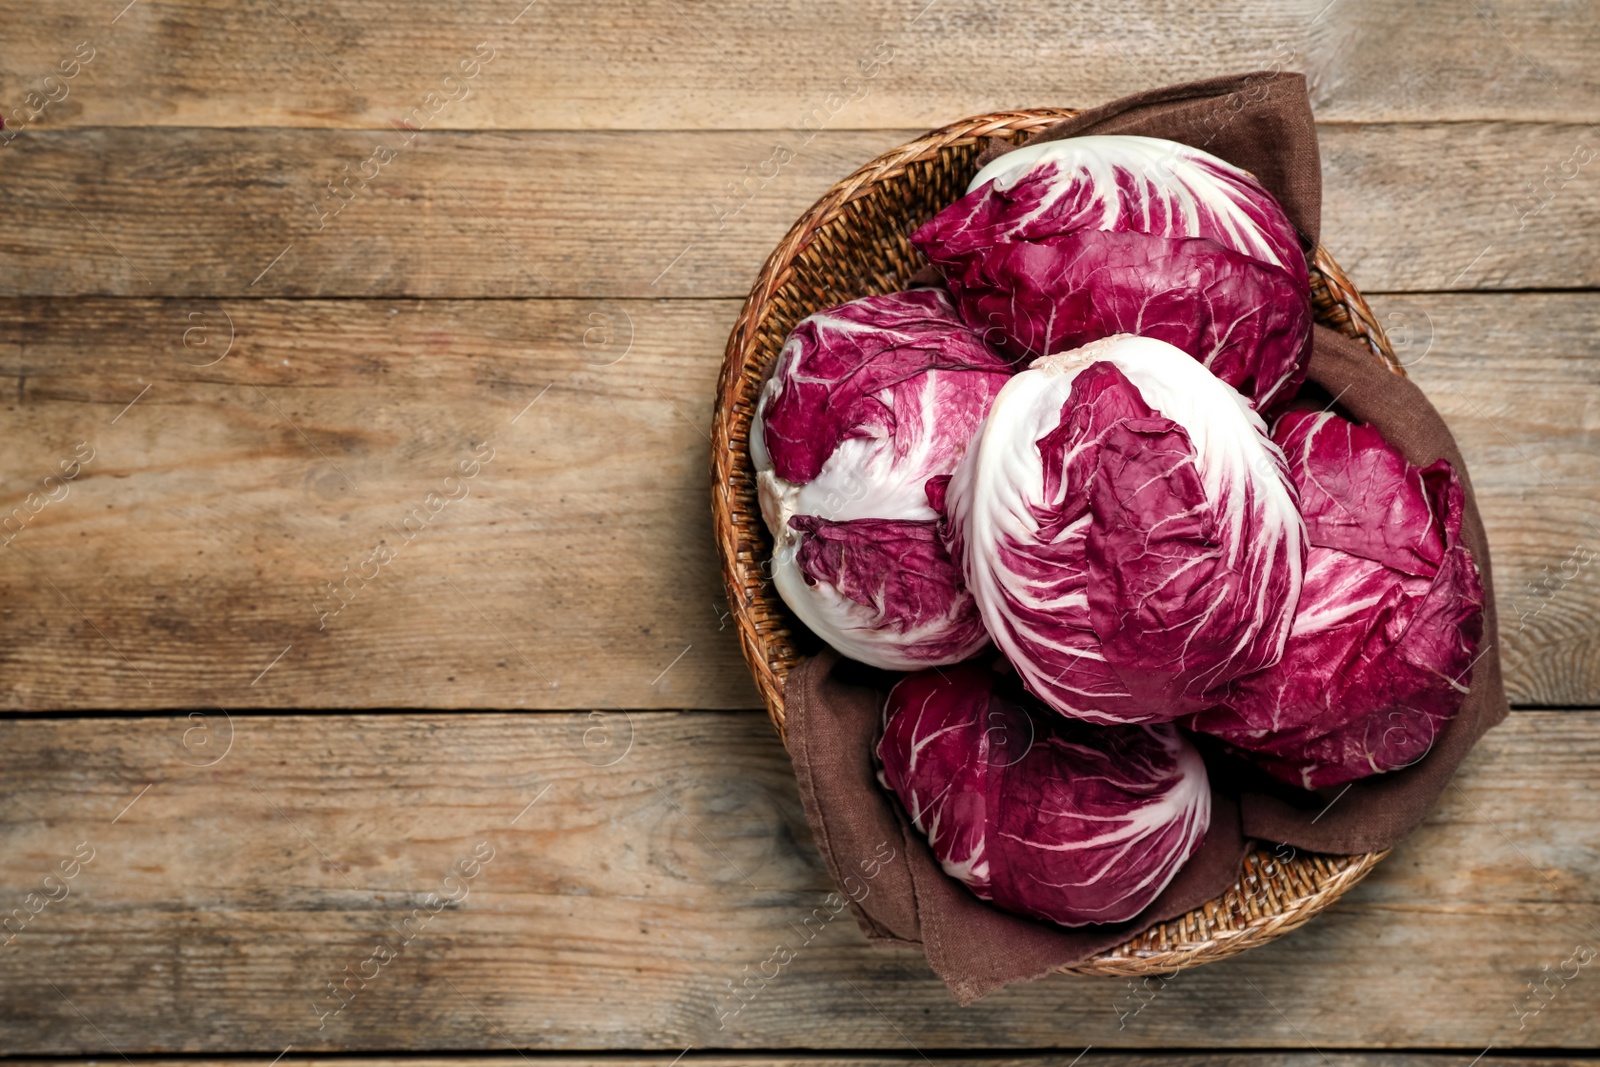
(1380, 655)
(1128, 532)
(1359, 495)
(868, 410)
(1191, 250)
(1054, 819)
(894, 591)
(868, 369)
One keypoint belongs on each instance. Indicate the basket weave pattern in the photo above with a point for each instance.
(854, 242)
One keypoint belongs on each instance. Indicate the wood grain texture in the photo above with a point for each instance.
(771, 1059)
(227, 213)
(642, 861)
(1491, 366)
(234, 452)
(194, 547)
(653, 64)
(572, 566)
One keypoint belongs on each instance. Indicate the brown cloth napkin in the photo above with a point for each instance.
(1261, 122)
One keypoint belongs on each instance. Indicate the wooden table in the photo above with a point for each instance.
(426, 302)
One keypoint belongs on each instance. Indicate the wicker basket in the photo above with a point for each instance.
(852, 243)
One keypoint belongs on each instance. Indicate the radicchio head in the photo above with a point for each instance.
(1064, 242)
(1390, 618)
(868, 403)
(1128, 532)
(1054, 819)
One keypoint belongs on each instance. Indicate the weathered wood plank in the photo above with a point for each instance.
(640, 862)
(219, 213)
(1278, 1058)
(511, 516)
(652, 65)
(194, 545)
(1492, 367)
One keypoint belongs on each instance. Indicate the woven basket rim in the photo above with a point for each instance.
(1273, 895)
